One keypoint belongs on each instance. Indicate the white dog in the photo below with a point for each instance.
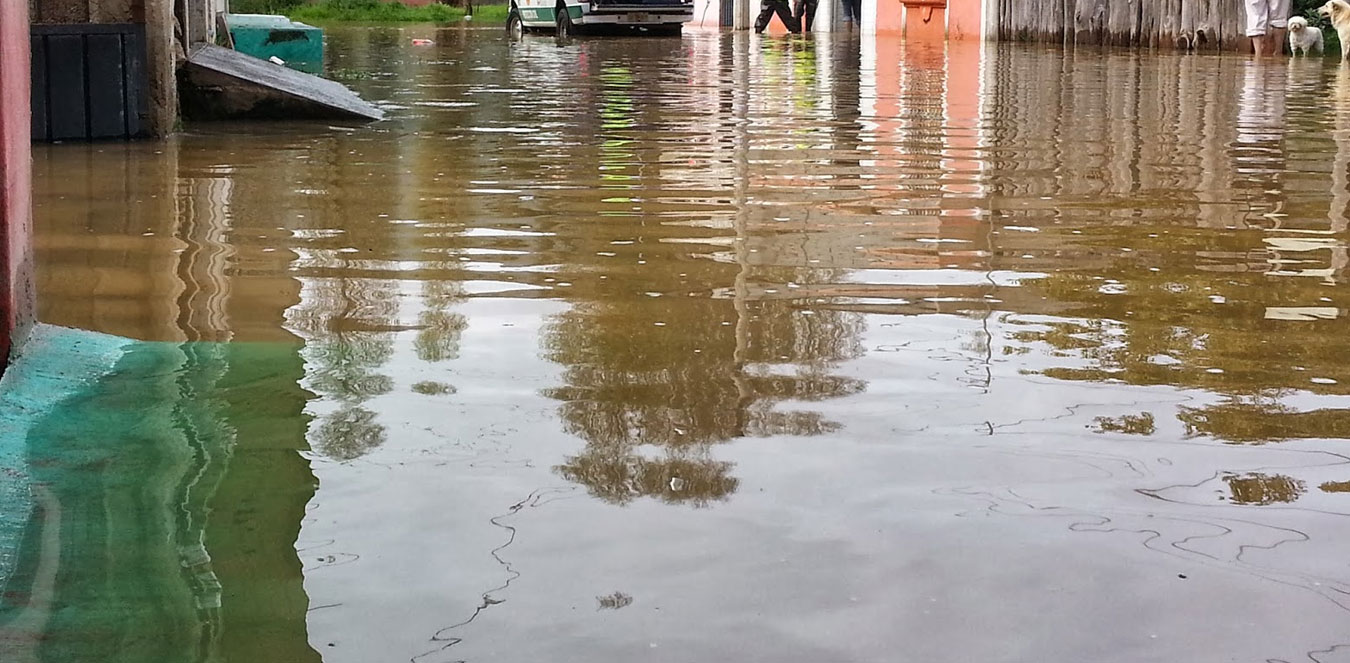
(1304, 37)
(1339, 13)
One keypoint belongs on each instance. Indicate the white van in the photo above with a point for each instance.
(570, 17)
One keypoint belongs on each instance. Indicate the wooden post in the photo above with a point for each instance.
(16, 168)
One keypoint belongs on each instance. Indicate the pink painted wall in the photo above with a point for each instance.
(962, 19)
(16, 169)
(890, 17)
(965, 19)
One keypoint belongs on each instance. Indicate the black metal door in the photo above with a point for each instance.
(89, 81)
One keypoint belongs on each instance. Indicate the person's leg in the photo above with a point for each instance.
(807, 15)
(770, 7)
(1279, 25)
(765, 15)
(1258, 19)
(785, 14)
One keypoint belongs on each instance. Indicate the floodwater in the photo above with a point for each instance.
(714, 349)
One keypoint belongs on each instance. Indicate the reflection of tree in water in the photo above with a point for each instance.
(1262, 489)
(651, 384)
(350, 325)
(1222, 333)
(343, 369)
(438, 338)
(1263, 420)
(348, 433)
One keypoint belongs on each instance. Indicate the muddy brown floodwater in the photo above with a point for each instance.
(725, 348)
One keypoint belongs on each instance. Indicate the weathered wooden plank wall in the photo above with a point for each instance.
(1203, 24)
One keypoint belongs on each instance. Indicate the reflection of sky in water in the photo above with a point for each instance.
(921, 335)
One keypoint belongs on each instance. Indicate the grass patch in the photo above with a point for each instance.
(368, 11)
(490, 13)
(374, 11)
(263, 6)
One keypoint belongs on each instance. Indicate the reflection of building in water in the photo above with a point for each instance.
(186, 523)
(155, 257)
(774, 297)
(666, 357)
(1193, 206)
(912, 199)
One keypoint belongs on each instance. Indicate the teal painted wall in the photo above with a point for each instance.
(263, 36)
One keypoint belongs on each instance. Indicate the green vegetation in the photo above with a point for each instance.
(1307, 7)
(367, 11)
(263, 6)
(491, 13)
(374, 11)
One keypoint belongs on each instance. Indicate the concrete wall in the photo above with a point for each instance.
(16, 289)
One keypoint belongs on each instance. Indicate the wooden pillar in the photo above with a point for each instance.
(16, 168)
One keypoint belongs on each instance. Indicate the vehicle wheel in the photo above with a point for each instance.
(515, 29)
(564, 23)
(666, 30)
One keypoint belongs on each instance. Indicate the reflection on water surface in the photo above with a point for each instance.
(808, 349)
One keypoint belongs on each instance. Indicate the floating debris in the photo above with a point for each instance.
(615, 601)
(430, 388)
